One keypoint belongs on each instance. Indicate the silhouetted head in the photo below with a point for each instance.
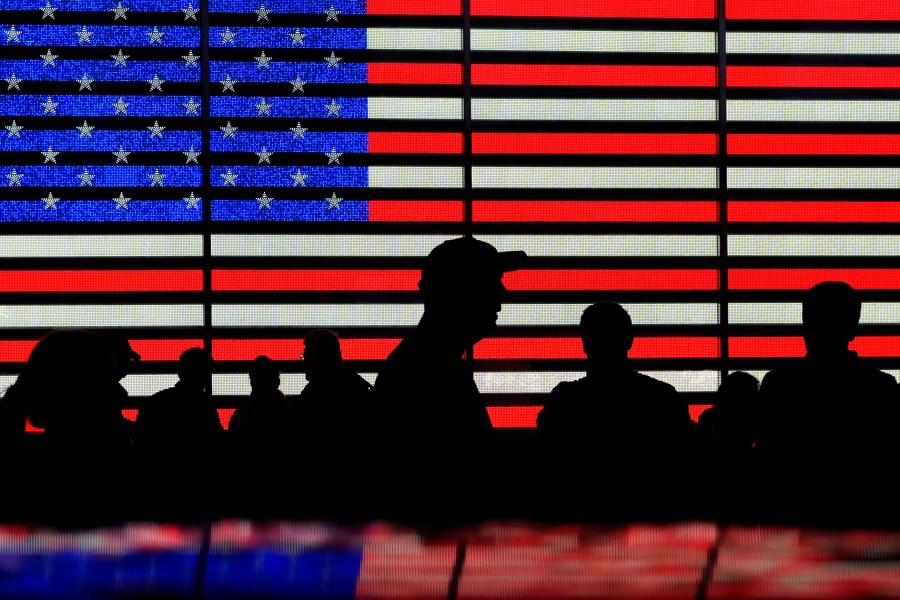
(737, 395)
(462, 286)
(195, 368)
(321, 354)
(831, 311)
(264, 374)
(122, 352)
(606, 332)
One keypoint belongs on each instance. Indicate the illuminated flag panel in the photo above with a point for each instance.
(813, 146)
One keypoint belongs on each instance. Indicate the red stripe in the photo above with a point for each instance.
(801, 279)
(814, 212)
(101, 281)
(594, 75)
(567, 348)
(347, 280)
(594, 143)
(505, 417)
(351, 349)
(613, 211)
(428, 211)
(415, 73)
(814, 10)
(225, 416)
(414, 7)
(842, 144)
(612, 279)
(130, 414)
(415, 143)
(814, 77)
(17, 351)
(697, 409)
(792, 347)
(608, 9)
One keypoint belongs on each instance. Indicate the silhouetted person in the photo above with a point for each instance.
(332, 419)
(438, 434)
(179, 439)
(125, 357)
(615, 441)
(828, 428)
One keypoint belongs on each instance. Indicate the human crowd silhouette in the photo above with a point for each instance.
(816, 441)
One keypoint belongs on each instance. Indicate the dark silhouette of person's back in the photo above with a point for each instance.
(616, 435)
(436, 429)
(332, 419)
(827, 440)
(179, 439)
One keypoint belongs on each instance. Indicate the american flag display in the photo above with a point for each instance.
(235, 173)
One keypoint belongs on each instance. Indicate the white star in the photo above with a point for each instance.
(12, 34)
(12, 82)
(333, 156)
(191, 156)
(121, 155)
(191, 59)
(84, 36)
(333, 108)
(156, 130)
(228, 177)
(120, 12)
(263, 108)
(156, 35)
(156, 178)
(227, 83)
(331, 14)
(228, 130)
(262, 60)
(50, 201)
(332, 60)
(48, 11)
(49, 59)
(191, 201)
(264, 201)
(299, 131)
(49, 106)
(50, 155)
(297, 84)
(191, 107)
(84, 83)
(227, 36)
(121, 201)
(156, 83)
(121, 106)
(299, 178)
(297, 37)
(14, 178)
(86, 178)
(262, 13)
(334, 201)
(120, 59)
(264, 156)
(85, 130)
(190, 12)
(14, 129)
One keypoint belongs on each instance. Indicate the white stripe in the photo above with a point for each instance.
(416, 177)
(410, 38)
(415, 108)
(895, 373)
(814, 110)
(641, 314)
(814, 245)
(594, 177)
(813, 178)
(316, 315)
(130, 316)
(754, 42)
(107, 246)
(141, 385)
(607, 245)
(324, 244)
(791, 313)
(238, 384)
(534, 109)
(556, 40)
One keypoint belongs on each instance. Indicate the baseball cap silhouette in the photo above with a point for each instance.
(464, 259)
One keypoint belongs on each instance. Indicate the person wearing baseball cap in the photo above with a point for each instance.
(432, 412)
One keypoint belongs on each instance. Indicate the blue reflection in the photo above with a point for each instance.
(302, 107)
(312, 72)
(249, 176)
(289, 210)
(97, 106)
(95, 211)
